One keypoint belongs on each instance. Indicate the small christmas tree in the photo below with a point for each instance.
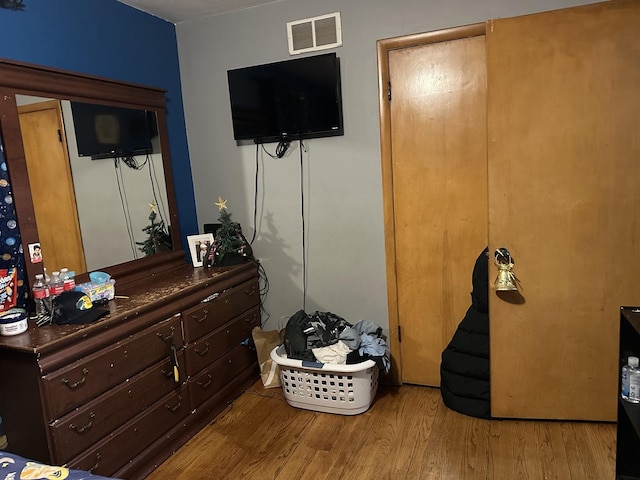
(229, 244)
(159, 239)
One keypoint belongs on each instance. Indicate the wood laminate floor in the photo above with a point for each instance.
(408, 433)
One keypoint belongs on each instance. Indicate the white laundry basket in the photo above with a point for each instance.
(329, 388)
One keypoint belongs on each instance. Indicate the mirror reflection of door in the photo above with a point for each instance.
(52, 186)
(110, 199)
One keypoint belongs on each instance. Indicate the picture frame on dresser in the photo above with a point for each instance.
(198, 246)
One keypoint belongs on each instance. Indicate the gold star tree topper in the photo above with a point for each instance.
(221, 203)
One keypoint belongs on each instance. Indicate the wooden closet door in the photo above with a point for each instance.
(563, 153)
(439, 194)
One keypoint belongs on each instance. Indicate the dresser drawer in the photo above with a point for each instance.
(85, 379)
(132, 438)
(216, 376)
(206, 317)
(211, 347)
(86, 425)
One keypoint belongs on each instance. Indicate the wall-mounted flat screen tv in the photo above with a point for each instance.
(299, 98)
(104, 131)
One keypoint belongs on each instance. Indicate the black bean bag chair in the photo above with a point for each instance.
(464, 370)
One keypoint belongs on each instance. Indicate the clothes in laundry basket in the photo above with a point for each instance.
(336, 353)
(295, 337)
(373, 345)
(321, 332)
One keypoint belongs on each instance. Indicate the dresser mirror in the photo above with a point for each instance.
(86, 210)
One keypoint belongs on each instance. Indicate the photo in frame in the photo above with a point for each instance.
(198, 245)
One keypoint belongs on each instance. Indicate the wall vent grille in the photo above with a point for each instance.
(313, 34)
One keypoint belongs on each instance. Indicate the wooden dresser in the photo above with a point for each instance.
(104, 397)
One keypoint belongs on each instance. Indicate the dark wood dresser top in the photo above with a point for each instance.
(169, 292)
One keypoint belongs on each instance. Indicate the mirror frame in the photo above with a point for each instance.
(28, 79)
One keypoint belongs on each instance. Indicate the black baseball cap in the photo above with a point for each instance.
(75, 307)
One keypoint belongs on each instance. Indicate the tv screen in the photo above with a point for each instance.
(104, 131)
(298, 98)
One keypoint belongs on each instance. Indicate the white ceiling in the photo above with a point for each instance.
(177, 11)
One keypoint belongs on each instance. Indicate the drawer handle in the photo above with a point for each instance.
(175, 407)
(202, 318)
(86, 427)
(167, 373)
(211, 297)
(170, 337)
(250, 319)
(97, 464)
(207, 383)
(202, 353)
(77, 384)
(250, 292)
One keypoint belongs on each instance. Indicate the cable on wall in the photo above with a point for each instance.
(281, 148)
(155, 186)
(255, 198)
(263, 280)
(132, 163)
(125, 205)
(304, 233)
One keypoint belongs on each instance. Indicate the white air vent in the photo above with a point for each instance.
(312, 34)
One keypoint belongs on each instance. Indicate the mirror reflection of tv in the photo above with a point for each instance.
(104, 131)
(294, 99)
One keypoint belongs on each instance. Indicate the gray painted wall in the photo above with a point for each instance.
(342, 182)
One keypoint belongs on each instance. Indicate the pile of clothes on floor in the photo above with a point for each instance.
(325, 337)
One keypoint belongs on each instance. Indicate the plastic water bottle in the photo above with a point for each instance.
(56, 287)
(630, 390)
(68, 281)
(40, 296)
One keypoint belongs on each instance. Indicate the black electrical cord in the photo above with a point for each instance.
(131, 162)
(153, 180)
(304, 248)
(125, 205)
(255, 199)
(281, 148)
(263, 280)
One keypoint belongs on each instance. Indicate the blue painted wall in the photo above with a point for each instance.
(108, 39)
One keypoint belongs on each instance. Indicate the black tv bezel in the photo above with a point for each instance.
(291, 136)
